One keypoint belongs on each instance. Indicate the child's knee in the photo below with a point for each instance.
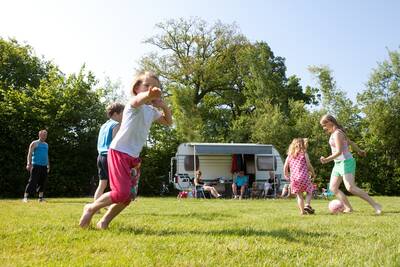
(352, 189)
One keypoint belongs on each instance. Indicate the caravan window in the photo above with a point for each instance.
(266, 163)
(189, 163)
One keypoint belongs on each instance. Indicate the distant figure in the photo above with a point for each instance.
(199, 182)
(298, 165)
(286, 191)
(107, 132)
(38, 166)
(345, 165)
(123, 156)
(241, 183)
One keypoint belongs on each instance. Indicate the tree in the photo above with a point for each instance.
(216, 77)
(34, 95)
(381, 105)
(20, 68)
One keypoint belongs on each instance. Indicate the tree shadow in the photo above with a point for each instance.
(289, 235)
(206, 216)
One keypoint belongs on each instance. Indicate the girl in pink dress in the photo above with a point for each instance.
(298, 166)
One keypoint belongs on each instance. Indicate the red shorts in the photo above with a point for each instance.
(122, 183)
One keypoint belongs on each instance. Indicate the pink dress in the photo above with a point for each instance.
(299, 179)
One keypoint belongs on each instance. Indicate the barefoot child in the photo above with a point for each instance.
(345, 165)
(123, 156)
(298, 165)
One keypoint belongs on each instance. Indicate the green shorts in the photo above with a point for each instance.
(343, 167)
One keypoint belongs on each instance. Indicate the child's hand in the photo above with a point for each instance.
(323, 160)
(154, 93)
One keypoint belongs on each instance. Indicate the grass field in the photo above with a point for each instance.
(190, 232)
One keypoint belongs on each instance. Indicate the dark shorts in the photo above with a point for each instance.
(37, 179)
(102, 167)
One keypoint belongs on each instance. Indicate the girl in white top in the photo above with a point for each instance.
(345, 165)
(123, 156)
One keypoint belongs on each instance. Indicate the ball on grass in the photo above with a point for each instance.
(336, 206)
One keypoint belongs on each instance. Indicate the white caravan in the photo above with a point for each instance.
(218, 160)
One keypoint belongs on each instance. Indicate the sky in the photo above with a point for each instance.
(350, 37)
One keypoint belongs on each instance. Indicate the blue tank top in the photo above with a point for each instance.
(40, 155)
(105, 136)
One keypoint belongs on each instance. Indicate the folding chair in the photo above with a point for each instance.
(199, 192)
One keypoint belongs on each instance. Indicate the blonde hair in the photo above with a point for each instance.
(297, 146)
(141, 76)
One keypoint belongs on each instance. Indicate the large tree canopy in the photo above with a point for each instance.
(215, 76)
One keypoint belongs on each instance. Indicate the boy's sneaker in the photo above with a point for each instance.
(309, 210)
(41, 199)
(25, 200)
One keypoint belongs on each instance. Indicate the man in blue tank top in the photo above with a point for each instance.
(38, 166)
(107, 132)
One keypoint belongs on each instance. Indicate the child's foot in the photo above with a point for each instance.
(309, 210)
(25, 200)
(41, 199)
(378, 209)
(347, 210)
(102, 225)
(86, 216)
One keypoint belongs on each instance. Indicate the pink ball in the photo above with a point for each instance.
(336, 206)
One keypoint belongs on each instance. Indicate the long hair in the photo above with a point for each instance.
(329, 118)
(297, 146)
(141, 76)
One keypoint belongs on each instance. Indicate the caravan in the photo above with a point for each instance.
(218, 162)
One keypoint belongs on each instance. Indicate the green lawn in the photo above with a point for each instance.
(190, 232)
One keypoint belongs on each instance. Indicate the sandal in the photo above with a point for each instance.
(309, 210)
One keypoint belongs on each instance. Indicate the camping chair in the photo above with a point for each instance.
(271, 191)
(315, 194)
(257, 190)
(199, 192)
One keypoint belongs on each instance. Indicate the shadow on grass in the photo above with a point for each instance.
(206, 216)
(68, 201)
(290, 235)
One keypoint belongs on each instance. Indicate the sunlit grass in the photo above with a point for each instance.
(190, 232)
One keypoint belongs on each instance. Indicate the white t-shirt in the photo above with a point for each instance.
(135, 127)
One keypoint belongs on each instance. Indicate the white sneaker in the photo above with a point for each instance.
(25, 200)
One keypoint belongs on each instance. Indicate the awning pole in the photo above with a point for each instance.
(194, 160)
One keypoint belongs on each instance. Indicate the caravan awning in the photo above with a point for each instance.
(223, 149)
